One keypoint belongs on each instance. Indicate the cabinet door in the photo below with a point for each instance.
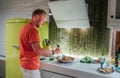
(47, 74)
(113, 13)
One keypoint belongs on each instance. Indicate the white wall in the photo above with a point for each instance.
(17, 8)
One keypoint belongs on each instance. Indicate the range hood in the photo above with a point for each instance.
(70, 13)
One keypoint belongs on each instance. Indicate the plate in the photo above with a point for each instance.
(105, 70)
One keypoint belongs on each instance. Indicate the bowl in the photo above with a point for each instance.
(65, 59)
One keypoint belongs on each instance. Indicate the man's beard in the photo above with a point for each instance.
(37, 26)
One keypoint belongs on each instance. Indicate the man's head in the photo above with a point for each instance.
(39, 17)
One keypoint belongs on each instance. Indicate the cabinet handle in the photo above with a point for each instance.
(112, 16)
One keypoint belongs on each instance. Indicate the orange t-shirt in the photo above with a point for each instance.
(28, 59)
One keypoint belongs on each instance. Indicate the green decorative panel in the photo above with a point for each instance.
(92, 41)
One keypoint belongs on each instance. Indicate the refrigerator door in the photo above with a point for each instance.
(13, 27)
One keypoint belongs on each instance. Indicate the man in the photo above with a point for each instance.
(30, 49)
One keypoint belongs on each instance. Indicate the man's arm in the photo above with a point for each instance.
(40, 51)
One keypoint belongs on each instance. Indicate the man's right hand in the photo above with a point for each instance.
(57, 50)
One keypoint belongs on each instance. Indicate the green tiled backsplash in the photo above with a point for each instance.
(92, 41)
(80, 42)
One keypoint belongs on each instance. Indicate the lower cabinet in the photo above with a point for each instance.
(48, 74)
(2, 69)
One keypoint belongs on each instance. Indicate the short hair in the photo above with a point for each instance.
(38, 12)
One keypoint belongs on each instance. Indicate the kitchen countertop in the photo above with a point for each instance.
(76, 69)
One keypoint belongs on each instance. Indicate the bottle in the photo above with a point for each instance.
(116, 59)
(112, 61)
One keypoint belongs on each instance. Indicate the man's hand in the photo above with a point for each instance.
(57, 50)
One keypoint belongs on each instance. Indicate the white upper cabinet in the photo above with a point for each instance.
(113, 13)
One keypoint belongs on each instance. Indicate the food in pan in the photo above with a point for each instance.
(65, 59)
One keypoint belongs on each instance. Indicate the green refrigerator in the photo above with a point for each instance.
(13, 27)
